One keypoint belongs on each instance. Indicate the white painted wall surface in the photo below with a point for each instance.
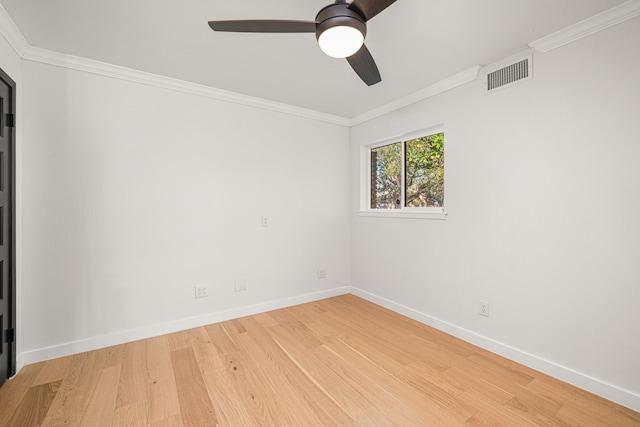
(132, 195)
(9, 60)
(543, 195)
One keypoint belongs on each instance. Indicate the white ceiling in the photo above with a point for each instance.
(415, 43)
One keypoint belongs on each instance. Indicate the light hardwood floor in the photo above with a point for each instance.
(340, 361)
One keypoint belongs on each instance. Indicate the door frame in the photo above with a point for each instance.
(12, 220)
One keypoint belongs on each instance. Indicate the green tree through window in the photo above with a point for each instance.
(413, 169)
(386, 176)
(425, 171)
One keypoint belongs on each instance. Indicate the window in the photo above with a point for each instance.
(405, 177)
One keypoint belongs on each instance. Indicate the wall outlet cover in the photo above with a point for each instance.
(202, 291)
(239, 285)
(483, 308)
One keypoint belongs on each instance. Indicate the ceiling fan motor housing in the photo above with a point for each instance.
(339, 14)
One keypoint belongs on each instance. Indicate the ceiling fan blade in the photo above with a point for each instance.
(363, 64)
(370, 8)
(264, 26)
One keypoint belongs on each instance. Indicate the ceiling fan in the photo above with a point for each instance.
(340, 29)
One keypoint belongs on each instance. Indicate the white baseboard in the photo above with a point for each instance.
(19, 363)
(578, 379)
(122, 337)
(608, 391)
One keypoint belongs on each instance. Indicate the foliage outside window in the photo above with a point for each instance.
(408, 174)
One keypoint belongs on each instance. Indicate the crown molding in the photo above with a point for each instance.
(12, 34)
(49, 57)
(449, 83)
(35, 54)
(617, 14)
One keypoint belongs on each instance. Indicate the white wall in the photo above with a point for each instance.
(9, 60)
(543, 194)
(133, 194)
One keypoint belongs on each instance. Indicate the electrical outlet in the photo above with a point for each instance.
(483, 308)
(239, 285)
(322, 273)
(264, 221)
(202, 291)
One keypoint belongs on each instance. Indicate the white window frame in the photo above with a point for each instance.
(438, 213)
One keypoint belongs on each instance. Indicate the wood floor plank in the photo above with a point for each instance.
(35, 405)
(132, 415)
(178, 340)
(432, 352)
(494, 376)
(249, 386)
(195, 404)
(332, 384)
(469, 380)
(265, 319)
(360, 315)
(75, 389)
(577, 405)
(493, 413)
(339, 361)
(420, 399)
(100, 406)
(254, 393)
(172, 421)
(308, 405)
(420, 375)
(163, 395)
(104, 358)
(13, 391)
(221, 339)
(498, 368)
(296, 325)
(261, 381)
(395, 407)
(234, 327)
(206, 355)
(54, 370)
(158, 353)
(383, 357)
(534, 406)
(268, 370)
(225, 399)
(133, 388)
(215, 375)
(351, 325)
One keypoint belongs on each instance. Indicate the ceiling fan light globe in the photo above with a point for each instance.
(341, 41)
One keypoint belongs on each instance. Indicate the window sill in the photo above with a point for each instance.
(392, 213)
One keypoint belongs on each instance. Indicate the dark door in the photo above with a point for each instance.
(7, 234)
